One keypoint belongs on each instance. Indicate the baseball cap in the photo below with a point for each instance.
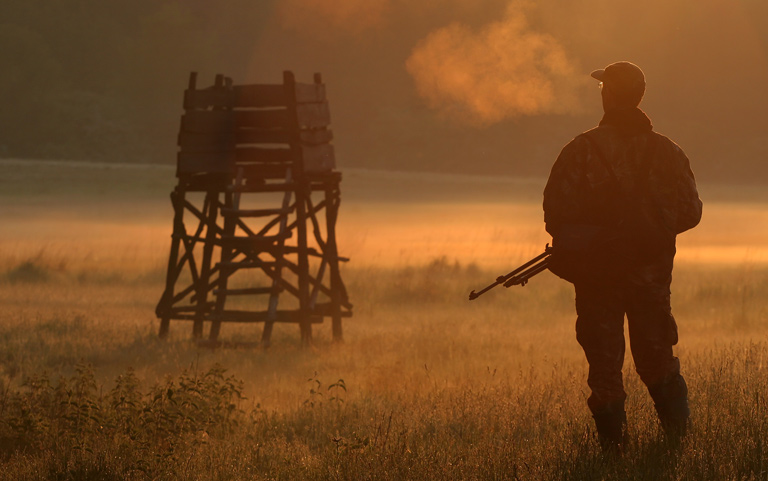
(625, 77)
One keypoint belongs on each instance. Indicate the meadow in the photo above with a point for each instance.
(426, 384)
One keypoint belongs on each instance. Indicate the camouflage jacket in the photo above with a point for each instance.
(651, 171)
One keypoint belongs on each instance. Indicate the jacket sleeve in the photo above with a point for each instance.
(688, 196)
(565, 186)
(682, 209)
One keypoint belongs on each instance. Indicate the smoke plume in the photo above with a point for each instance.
(503, 70)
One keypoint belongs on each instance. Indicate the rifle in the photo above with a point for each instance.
(521, 275)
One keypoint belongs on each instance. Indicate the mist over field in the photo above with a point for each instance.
(426, 384)
(485, 87)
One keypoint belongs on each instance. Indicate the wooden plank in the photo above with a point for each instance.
(227, 255)
(277, 273)
(224, 161)
(182, 294)
(309, 116)
(316, 283)
(256, 127)
(255, 212)
(281, 136)
(201, 216)
(256, 171)
(312, 252)
(247, 155)
(247, 264)
(206, 122)
(262, 154)
(318, 158)
(333, 199)
(211, 121)
(238, 96)
(316, 226)
(200, 308)
(252, 136)
(310, 92)
(251, 96)
(261, 243)
(248, 291)
(326, 179)
(203, 286)
(194, 140)
(313, 115)
(203, 182)
(259, 95)
(206, 142)
(209, 97)
(317, 136)
(203, 150)
(262, 136)
(172, 271)
(199, 170)
(202, 162)
(207, 160)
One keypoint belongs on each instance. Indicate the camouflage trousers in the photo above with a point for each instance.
(652, 333)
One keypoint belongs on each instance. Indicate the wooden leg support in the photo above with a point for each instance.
(306, 333)
(165, 325)
(266, 334)
(336, 328)
(215, 329)
(197, 329)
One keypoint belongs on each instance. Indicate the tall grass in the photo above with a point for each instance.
(198, 426)
(427, 385)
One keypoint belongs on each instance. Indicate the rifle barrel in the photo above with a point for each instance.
(523, 273)
(523, 277)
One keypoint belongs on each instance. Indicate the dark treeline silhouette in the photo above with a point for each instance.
(102, 80)
(94, 80)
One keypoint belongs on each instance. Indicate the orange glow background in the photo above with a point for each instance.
(498, 86)
(386, 220)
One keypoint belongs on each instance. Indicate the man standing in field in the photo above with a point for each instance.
(616, 198)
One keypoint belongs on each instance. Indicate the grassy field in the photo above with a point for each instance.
(426, 385)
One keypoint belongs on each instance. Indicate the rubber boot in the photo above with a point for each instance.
(611, 424)
(671, 401)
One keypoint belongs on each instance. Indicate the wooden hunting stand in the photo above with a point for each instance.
(250, 159)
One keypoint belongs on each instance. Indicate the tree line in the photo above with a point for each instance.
(87, 79)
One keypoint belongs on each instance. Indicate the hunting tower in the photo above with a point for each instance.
(255, 209)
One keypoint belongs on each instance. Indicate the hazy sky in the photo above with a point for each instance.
(472, 86)
(492, 83)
